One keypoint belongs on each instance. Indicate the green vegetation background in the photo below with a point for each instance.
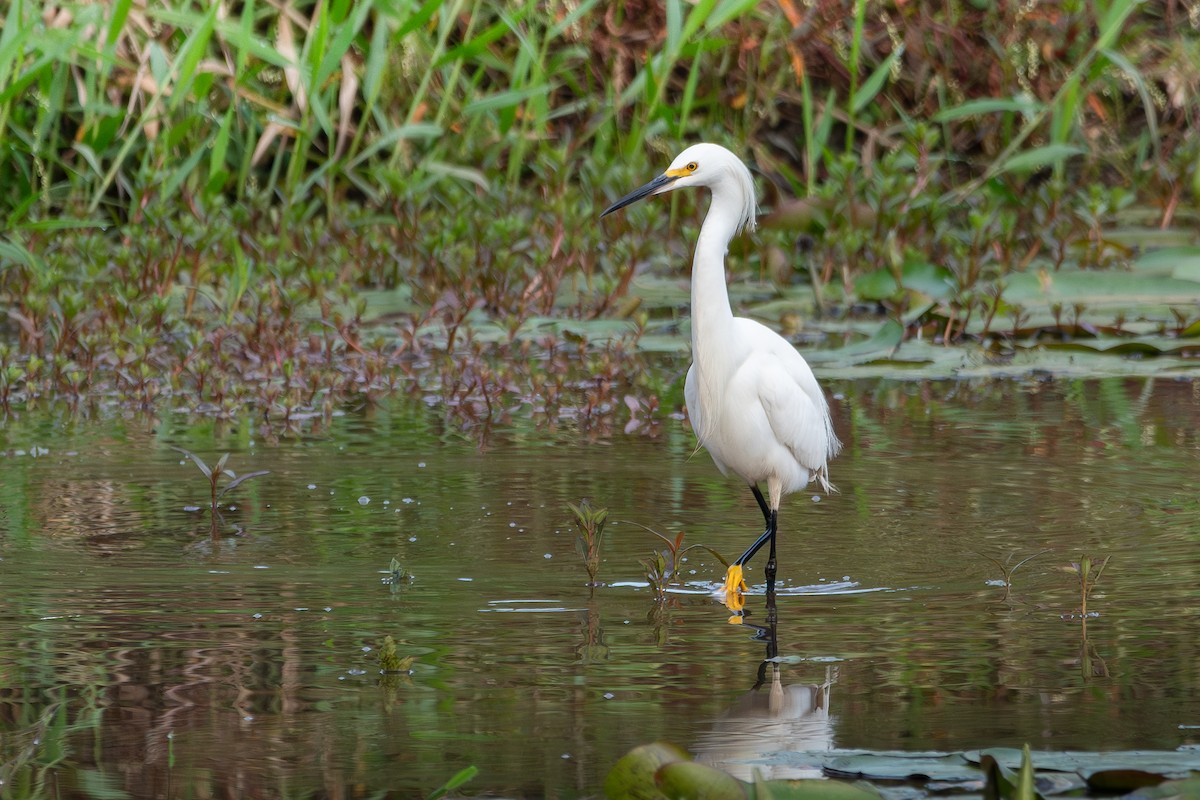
(289, 205)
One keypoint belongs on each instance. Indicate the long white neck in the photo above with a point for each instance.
(711, 314)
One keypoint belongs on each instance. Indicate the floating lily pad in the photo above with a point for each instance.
(904, 766)
(633, 776)
(1171, 790)
(1094, 289)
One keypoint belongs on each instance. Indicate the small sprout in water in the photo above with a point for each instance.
(397, 575)
(590, 522)
(213, 474)
(1008, 571)
(390, 661)
(662, 568)
(1088, 571)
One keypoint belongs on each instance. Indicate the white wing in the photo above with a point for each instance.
(791, 398)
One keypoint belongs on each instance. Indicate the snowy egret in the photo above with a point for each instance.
(752, 399)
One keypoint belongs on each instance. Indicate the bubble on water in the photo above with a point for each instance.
(312, 486)
(608, 695)
(362, 501)
(547, 555)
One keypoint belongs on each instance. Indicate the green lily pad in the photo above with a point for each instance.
(1094, 289)
(885, 340)
(698, 782)
(904, 766)
(633, 776)
(814, 790)
(1171, 790)
(1173, 262)
(1142, 345)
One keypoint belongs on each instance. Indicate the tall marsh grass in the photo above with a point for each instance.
(110, 109)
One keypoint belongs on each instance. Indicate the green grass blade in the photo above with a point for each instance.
(873, 84)
(194, 49)
(697, 18)
(419, 18)
(1139, 83)
(988, 105)
(1038, 157)
(502, 100)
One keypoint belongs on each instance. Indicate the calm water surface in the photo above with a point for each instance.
(141, 657)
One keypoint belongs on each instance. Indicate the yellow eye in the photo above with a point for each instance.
(692, 166)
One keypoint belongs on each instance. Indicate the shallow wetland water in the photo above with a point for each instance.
(141, 657)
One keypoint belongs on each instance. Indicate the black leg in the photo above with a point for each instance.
(734, 582)
(767, 536)
(762, 504)
(772, 565)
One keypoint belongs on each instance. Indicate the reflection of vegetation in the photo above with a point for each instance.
(27, 762)
(921, 661)
(590, 522)
(459, 779)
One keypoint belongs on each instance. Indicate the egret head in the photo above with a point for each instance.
(707, 165)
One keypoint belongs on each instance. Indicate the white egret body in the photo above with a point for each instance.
(752, 399)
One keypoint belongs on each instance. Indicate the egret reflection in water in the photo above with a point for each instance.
(772, 718)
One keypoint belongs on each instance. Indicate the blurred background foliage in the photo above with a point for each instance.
(279, 174)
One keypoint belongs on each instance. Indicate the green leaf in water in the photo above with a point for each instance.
(632, 777)
(1171, 790)
(904, 766)
(885, 340)
(1025, 789)
(698, 782)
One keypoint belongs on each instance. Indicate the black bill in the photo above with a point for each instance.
(653, 187)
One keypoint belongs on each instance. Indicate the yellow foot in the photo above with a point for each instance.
(735, 584)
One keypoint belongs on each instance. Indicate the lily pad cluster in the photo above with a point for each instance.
(660, 771)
